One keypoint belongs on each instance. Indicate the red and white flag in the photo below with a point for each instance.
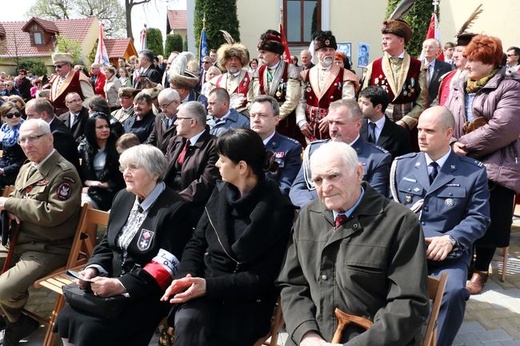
(433, 32)
(287, 53)
(101, 51)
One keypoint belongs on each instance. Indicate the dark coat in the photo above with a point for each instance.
(167, 221)
(78, 128)
(240, 274)
(439, 69)
(141, 128)
(64, 142)
(161, 134)
(197, 177)
(11, 161)
(288, 155)
(393, 138)
(110, 173)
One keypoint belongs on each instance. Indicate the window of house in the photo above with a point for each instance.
(301, 19)
(38, 38)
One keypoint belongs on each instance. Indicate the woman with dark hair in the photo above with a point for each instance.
(97, 103)
(12, 154)
(487, 111)
(99, 163)
(224, 290)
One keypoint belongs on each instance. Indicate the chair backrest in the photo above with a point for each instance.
(435, 291)
(85, 237)
(7, 190)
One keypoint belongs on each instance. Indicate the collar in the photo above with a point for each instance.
(349, 212)
(274, 67)
(354, 141)
(195, 138)
(269, 138)
(441, 161)
(147, 203)
(380, 123)
(39, 165)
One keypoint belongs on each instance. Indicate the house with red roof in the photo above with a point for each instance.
(35, 39)
(176, 23)
(119, 47)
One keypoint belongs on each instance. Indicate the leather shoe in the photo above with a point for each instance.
(477, 282)
(20, 329)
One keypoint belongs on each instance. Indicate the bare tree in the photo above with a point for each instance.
(129, 5)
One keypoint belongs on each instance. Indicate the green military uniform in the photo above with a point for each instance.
(47, 202)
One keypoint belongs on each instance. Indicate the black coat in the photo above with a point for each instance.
(110, 173)
(11, 161)
(64, 142)
(240, 274)
(78, 128)
(393, 138)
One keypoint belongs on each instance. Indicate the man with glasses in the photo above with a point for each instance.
(46, 201)
(76, 117)
(64, 143)
(513, 55)
(192, 155)
(169, 101)
(65, 81)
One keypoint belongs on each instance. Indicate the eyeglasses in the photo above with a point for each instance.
(73, 101)
(166, 105)
(58, 66)
(29, 139)
(131, 168)
(182, 118)
(11, 115)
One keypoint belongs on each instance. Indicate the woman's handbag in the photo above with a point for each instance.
(110, 307)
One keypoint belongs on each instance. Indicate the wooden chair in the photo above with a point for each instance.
(435, 292)
(276, 324)
(81, 250)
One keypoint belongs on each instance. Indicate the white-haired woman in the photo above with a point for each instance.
(147, 231)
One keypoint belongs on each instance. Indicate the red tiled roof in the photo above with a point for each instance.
(116, 47)
(177, 19)
(18, 42)
(47, 25)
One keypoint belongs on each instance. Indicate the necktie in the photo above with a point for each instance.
(269, 75)
(340, 220)
(435, 170)
(32, 171)
(72, 119)
(430, 73)
(182, 155)
(372, 132)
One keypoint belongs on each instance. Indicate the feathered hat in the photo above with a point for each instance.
(228, 50)
(271, 41)
(179, 75)
(463, 38)
(395, 24)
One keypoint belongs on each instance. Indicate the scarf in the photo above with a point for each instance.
(472, 86)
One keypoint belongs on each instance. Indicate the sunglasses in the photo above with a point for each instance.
(58, 66)
(11, 115)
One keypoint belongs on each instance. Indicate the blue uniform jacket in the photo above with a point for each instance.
(376, 171)
(287, 153)
(457, 202)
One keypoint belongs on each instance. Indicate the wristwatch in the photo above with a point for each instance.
(452, 240)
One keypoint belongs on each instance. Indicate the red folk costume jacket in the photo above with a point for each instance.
(316, 102)
(71, 84)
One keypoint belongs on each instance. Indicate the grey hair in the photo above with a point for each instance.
(194, 109)
(353, 110)
(148, 157)
(169, 94)
(271, 100)
(42, 125)
(347, 154)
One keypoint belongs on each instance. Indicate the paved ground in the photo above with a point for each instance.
(492, 317)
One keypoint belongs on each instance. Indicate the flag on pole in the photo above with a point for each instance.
(287, 53)
(101, 51)
(433, 32)
(143, 38)
(203, 46)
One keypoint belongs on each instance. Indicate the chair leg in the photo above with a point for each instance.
(50, 337)
(505, 259)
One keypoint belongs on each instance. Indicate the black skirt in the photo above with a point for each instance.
(501, 209)
(135, 326)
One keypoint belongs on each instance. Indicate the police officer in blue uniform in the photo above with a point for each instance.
(345, 119)
(264, 116)
(450, 195)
